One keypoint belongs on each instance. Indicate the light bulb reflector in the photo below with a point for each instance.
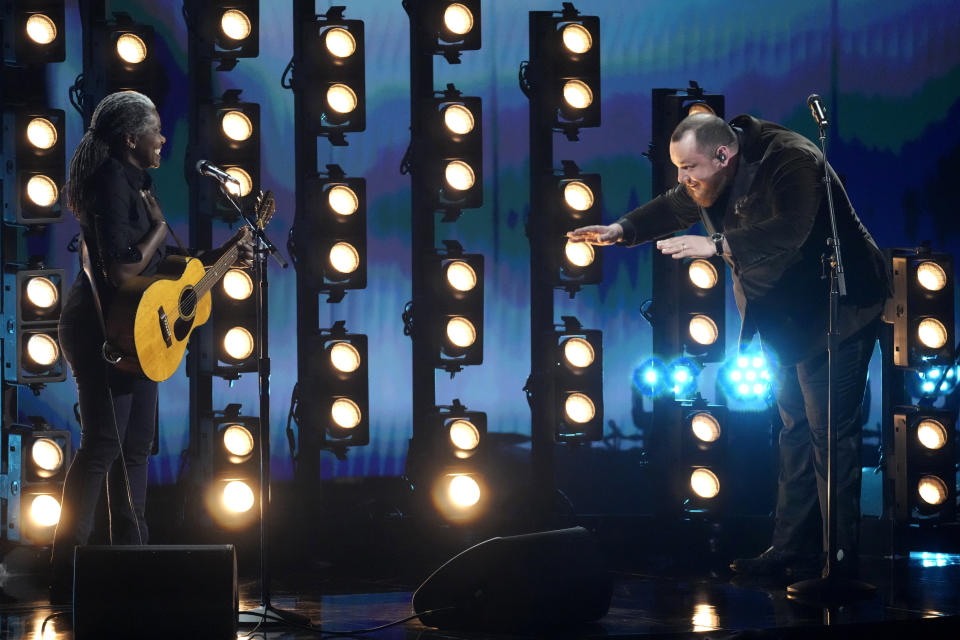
(702, 274)
(932, 333)
(343, 200)
(340, 42)
(45, 510)
(131, 48)
(458, 19)
(705, 483)
(931, 434)
(345, 413)
(579, 254)
(577, 94)
(42, 191)
(41, 29)
(458, 119)
(578, 352)
(578, 195)
(464, 492)
(238, 343)
(344, 258)
(577, 38)
(341, 98)
(238, 496)
(579, 408)
(236, 126)
(238, 284)
(932, 490)
(461, 276)
(42, 293)
(41, 133)
(42, 349)
(246, 182)
(235, 24)
(461, 332)
(238, 441)
(459, 175)
(703, 330)
(464, 435)
(47, 455)
(705, 427)
(344, 357)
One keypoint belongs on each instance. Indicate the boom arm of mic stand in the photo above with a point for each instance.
(257, 231)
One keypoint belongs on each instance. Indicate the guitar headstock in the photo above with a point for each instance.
(266, 207)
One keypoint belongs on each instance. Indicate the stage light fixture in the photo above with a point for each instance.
(567, 67)
(447, 28)
(333, 396)
(575, 201)
(924, 470)
(233, 307)
(33, 31)
(329, 243)
(33, 156)
(694, 436)
(460, 497)
(38, 455)
(454, 150)
(702, 308)
(232, 128)
(921, 308)
(237, 28)
(33, 298)
(332, 75)
(684, 375)
(230, 442)
(577, 379)
(124, 58)
(931, 382)
(456, 316)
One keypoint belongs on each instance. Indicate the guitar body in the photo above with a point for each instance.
(152, 317)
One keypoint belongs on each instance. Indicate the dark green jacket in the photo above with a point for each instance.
(777, 224)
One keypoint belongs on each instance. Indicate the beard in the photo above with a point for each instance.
(707, 191)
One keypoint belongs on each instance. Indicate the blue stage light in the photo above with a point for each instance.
(745, 381)
(934, 381)
(684, 374)
(651, 378)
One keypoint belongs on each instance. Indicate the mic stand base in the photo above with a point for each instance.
(267, 615)
(829, 591)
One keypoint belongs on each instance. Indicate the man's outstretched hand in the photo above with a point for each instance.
(598, 234)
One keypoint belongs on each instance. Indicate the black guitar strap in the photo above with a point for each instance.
(110, 354)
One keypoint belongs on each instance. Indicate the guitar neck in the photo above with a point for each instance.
(217, 271)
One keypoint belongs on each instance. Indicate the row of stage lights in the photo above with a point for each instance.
(921, 313)
(36, 455)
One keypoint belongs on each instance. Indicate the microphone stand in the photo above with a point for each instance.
(266, 613)
(831, 588)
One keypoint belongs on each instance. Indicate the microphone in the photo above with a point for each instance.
(818, 110)
(205, 168)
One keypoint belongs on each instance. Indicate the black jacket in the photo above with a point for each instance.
(777, 222)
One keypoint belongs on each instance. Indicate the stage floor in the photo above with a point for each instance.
(917, 595)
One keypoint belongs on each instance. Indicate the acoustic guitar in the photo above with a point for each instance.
(151, 317)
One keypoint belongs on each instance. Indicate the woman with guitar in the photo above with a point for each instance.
(123, 233)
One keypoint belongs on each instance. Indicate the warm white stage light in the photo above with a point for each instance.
(579, 254)
(458, 19)
(246, 182)
(703, 330)
(238, 441)
(42, 191)
(702, 274)
(45, 510)
(345, 413)
(932, 490)
(238, 496)
(932, 333)
(236, 126)
(461, 332)
(577, 94)
(578, 195)
(461, 276)
(458, 119)
(341, 98)
(705, 483)
(238, 343)
(343, 200)
(41, 29)
(238, 284)
(131, 48)
(47, 455)
(340, 42)
(41, 133)
(344, 258)
(459, 175)
(578, 352)
(579, 408)
(705, 427)
(236, 24)
(577, 38)
(464, 492)
(465, 436)
(42, 293)
(42, 349)
(344, 357)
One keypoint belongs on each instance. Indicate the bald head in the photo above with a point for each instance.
(709, 132)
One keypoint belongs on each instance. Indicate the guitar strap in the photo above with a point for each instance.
(109, 353)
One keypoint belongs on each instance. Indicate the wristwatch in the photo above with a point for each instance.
(718, 242)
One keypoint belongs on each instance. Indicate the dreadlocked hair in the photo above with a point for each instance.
(117, 115)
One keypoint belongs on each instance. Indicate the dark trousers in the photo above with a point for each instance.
(133, 406)
(802, 486)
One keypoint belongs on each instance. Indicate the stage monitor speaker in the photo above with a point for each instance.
(550, 578)
(155, 591)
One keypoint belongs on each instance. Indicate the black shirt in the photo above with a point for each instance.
(116, 223)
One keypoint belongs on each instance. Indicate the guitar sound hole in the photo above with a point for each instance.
(188, 302)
